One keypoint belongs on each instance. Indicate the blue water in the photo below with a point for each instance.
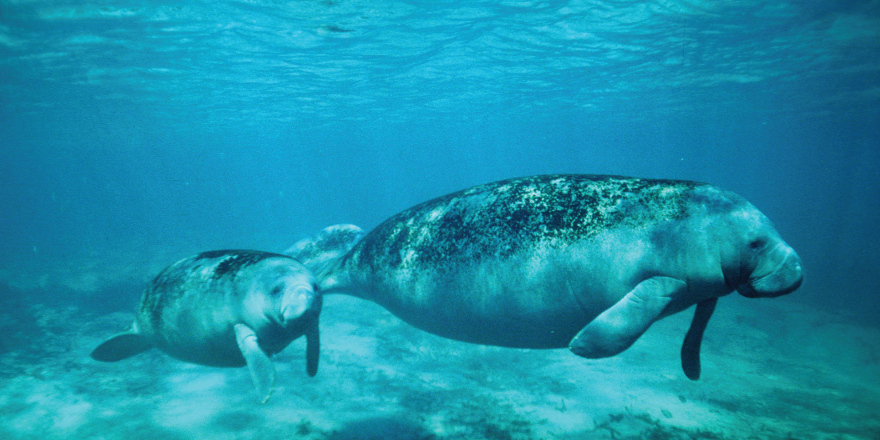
(136, 133)
(218, 124)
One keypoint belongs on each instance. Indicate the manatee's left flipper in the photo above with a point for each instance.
(259, 364)
(313, 349)
(618, 327)
(690, 350)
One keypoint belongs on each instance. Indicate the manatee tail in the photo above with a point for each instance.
(121, 346)
(319, 252)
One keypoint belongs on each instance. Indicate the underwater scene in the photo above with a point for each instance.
(364, 220)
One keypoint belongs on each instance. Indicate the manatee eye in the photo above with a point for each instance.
(276, 291)
(757, 245)
(314, 287)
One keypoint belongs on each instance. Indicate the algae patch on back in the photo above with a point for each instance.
(501, 218)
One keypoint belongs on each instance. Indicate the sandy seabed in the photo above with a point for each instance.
(772, 369)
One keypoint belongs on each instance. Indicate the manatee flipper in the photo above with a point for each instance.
(121, 346)
(690, 349)
(259, 364)
(313, 349)
(618, 327)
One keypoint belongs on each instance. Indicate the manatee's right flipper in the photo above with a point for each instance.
(618, 327)
(259, 364)
(313, 349)
(318, 253)
(690, 350)
(121, 346)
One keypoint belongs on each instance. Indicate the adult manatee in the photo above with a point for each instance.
(587, 262)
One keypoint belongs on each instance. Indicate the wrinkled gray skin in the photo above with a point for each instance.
(226, 308)
(580, 261)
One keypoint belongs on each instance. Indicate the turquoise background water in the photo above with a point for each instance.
(135, 133)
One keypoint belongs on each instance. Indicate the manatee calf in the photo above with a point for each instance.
(581, 261)
(226, 308)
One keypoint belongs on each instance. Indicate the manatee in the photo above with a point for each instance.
(226, 308)
(587, 262)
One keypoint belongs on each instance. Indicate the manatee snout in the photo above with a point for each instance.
(300, 303)
(300, 310)
(780, 273)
